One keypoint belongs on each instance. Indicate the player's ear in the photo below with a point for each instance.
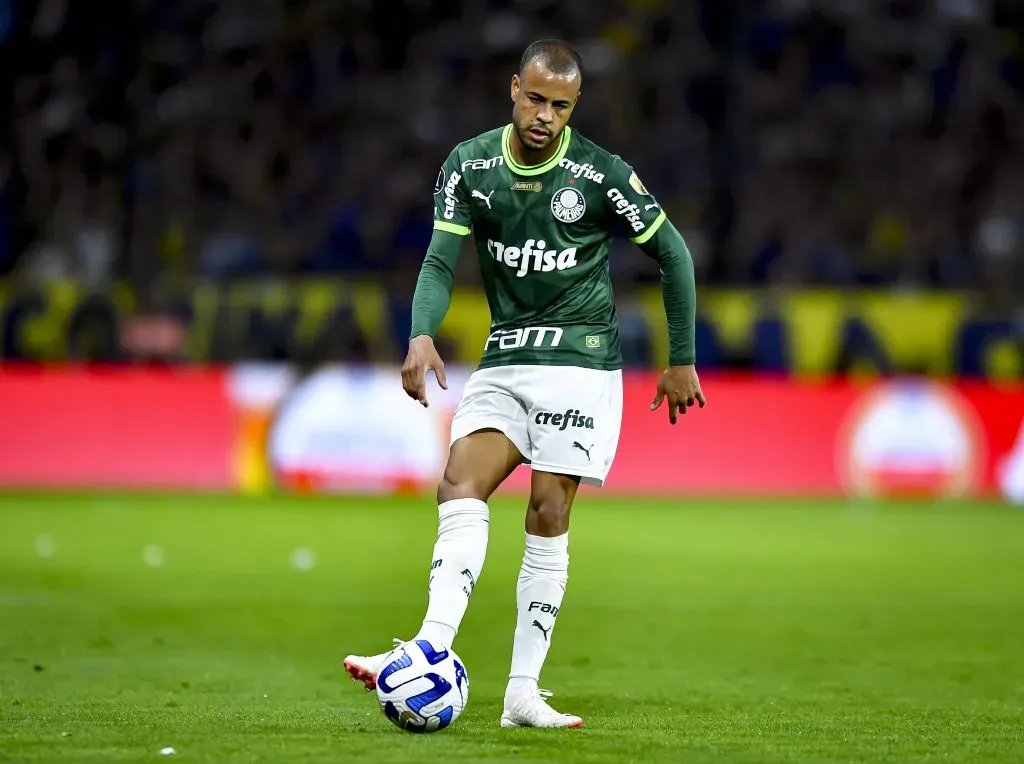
(515, 86)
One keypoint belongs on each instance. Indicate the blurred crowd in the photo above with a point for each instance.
(839, 142)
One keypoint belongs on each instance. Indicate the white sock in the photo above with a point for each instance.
(458, 559)
(542, 581)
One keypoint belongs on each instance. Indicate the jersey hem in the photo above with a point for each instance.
(614, 365)
(589, 477)
(460, 430)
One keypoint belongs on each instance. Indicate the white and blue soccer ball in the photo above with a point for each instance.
(423, 687)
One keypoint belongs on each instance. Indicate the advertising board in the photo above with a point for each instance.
(348, 429)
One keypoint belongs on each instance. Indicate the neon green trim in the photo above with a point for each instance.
(461, 230)
(537, 169)
(652, 229)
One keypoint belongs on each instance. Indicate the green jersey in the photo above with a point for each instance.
(542, 235)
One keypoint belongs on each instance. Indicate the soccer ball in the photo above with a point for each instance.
(422, 687)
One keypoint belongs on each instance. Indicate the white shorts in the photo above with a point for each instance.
(563, 419)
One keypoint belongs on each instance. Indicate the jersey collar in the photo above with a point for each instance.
(536, 169)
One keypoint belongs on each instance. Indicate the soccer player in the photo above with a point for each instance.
(542, 203)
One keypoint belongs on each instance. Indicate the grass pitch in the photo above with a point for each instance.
(691, 631)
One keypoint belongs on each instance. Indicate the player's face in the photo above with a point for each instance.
(542, 103)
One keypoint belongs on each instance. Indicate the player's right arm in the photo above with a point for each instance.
(452, 223)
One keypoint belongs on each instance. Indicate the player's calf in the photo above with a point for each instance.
(540, 588)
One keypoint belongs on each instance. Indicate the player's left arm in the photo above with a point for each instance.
(679, 383)
(636, 210)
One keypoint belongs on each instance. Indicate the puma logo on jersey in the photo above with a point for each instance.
(487, 199)
(577, 444)
(532, 256)
(648, 207)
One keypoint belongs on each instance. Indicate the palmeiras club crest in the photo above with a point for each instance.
(568, 204)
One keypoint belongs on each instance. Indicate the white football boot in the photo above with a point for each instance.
(364, 668)
(532, 710)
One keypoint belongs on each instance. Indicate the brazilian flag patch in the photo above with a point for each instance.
(593, 342)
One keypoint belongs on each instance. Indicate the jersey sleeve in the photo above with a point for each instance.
(630, 206)
(451, 201)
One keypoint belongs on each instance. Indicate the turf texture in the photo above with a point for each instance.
(692, 630)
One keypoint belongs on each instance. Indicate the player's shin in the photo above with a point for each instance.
(455, 567)
(542, 581)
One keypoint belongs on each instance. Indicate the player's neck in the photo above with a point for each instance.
(529, 157)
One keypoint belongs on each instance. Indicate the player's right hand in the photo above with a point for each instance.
(421, 358)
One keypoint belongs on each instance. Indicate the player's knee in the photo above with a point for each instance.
(477, 465)
(548, 514)
(454, 485)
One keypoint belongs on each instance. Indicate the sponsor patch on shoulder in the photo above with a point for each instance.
(439, 183)
(637, 185)
(523, 185)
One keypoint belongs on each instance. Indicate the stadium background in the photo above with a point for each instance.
(212, 486)
(212, 186)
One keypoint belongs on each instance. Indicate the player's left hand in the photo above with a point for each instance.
(682, 388)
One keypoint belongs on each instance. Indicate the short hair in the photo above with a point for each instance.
(557, 56)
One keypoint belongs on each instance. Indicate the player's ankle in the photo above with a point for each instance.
(518, 686)
(438, 634)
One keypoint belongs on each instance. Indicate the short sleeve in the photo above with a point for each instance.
(631, 207)
(451, 205)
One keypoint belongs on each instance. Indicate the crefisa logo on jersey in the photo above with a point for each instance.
(532, 256)
(910, 438)
(449, 195)
(568, 204)
(585, 170)
(628, 210)
(562, 420)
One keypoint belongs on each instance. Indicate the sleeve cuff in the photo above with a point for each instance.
(461, 230)
(651, 229)
(688, 359)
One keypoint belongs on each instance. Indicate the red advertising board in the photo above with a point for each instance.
(117, 428)
(341, 430)
(780, 437)
(354, 430)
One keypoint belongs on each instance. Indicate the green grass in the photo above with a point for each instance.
(691, 631)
